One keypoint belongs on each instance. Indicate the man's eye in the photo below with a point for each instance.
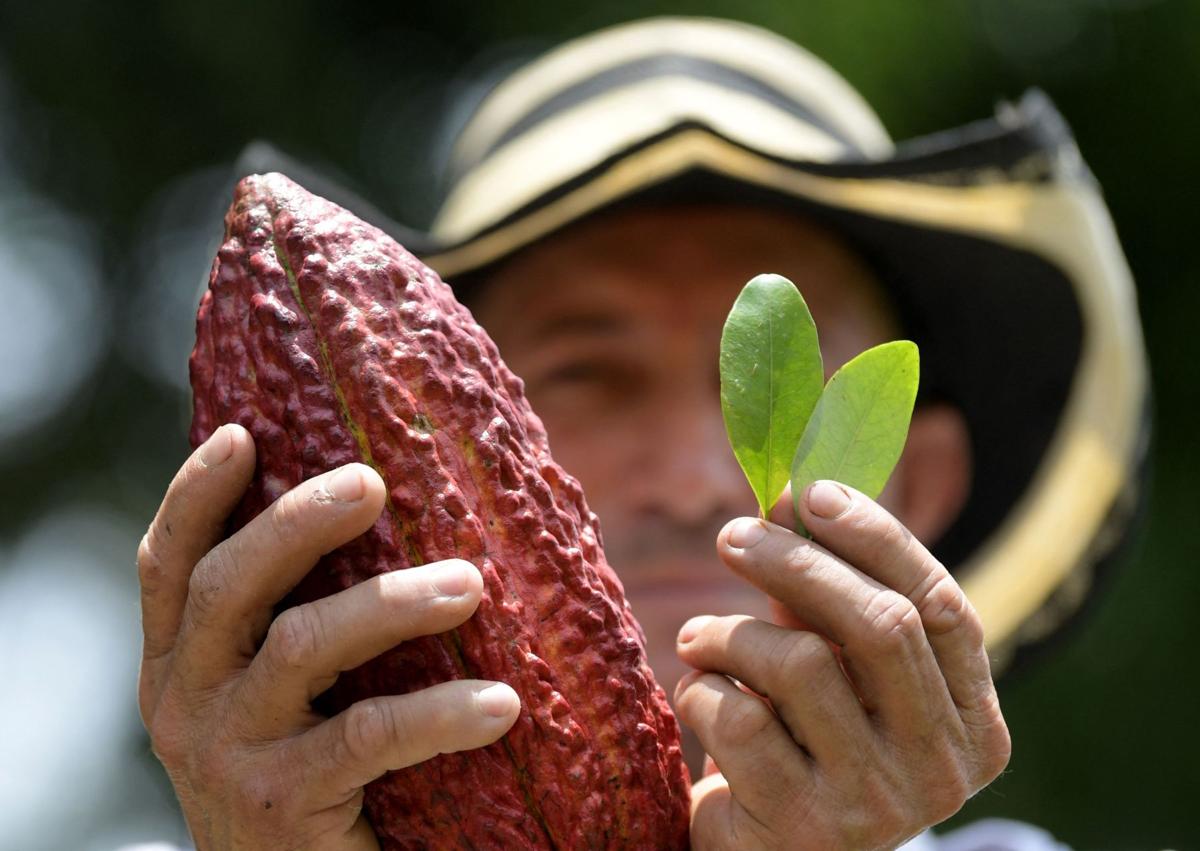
(589, 375)
(576, 373)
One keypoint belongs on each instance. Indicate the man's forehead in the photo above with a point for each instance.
(690, 260)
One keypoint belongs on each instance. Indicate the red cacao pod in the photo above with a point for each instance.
(330, 343)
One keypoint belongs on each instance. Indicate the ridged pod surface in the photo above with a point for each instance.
(330, 343)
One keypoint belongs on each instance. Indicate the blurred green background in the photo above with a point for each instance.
(118, 123)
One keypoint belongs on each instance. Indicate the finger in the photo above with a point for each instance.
(388, 733)
(781, 512)
(858, 530)
(884, 648)
(796, 671)
(712, 812)
(234, 588)
(188, 524)
(308, 646)
(720, 821)
(763, 766)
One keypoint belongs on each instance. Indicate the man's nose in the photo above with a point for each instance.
(687, 470)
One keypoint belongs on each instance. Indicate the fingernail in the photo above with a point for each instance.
(451, 578)
(692, 628)
(347, 484)
(746, 532)
(828, 499)
(217, 449)
(497, 700)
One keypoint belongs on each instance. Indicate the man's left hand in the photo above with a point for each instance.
(874, 721)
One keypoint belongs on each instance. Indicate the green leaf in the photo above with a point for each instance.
(771, 376)
(859, 426)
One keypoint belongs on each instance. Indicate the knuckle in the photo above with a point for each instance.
(371, 725)
(802, 656)
(987, 735)
(167, 728)
(887, 543)
(886, 806)
(908, 809)
(1000, 754)
(893, 622)
(937, 783)
(295, 637)
(883, 827)
(893, 541)
(415, 604)
(944, 608)
(207, 590)
(287, 516)
(873, 816)
(943, 796)
(167, 743)
(742, 721)
(996, 751)
(150, 566)
(801, 558)
(946, 789)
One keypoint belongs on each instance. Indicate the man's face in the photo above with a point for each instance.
(615, 326)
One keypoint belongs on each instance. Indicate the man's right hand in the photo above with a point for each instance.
(225, 690)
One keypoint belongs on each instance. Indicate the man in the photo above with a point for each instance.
(610, 200)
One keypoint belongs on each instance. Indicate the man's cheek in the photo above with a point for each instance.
(601, 471)
(581, 447)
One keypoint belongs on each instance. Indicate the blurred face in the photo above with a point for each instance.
(615, 327)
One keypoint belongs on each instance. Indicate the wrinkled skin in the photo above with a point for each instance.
(225, 691)
(867, 740)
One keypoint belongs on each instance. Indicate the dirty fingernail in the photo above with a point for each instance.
(217, 448)
(828, 500)
(692, 628)
(347, 484)
(497, 700)
(746, 532)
